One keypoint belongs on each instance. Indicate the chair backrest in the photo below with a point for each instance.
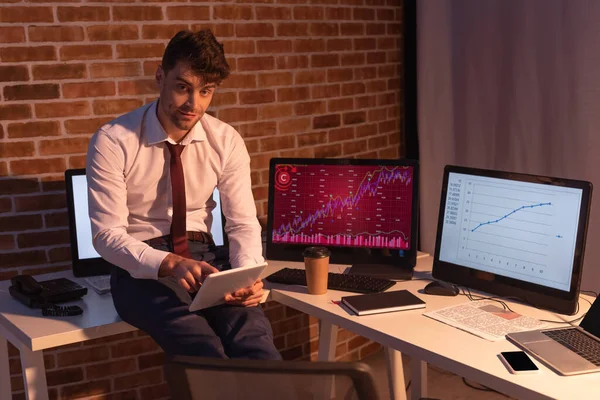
(195, 378)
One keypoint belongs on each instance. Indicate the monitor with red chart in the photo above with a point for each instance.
(364, 211)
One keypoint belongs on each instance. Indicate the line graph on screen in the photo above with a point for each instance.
(361, 206)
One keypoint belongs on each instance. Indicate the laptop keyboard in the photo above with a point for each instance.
(577, 341)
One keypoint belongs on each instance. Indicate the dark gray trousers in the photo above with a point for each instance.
(160, 308)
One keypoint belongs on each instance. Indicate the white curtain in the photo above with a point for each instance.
(511, 85)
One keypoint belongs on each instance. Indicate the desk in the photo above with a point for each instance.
(428, 341)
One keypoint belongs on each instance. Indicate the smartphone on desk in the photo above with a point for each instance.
(518, 362)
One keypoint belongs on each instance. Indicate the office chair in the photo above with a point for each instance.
(196, 378)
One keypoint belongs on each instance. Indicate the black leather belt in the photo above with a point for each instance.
(200, 237)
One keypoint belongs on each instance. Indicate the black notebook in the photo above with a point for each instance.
(396, 300)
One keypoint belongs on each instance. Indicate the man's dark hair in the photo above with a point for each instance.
(201, 50)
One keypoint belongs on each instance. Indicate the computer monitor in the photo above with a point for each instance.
(364, 211)
(86, 261)
(513, 234)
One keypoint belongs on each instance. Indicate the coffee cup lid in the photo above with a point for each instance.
(316, 252)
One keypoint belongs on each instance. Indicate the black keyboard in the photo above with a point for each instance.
(346, 283)
(577, 341)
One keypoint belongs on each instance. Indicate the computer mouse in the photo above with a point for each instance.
(439, 288)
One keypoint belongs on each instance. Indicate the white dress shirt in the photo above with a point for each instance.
(129, 189)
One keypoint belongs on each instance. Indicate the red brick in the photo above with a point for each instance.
(275, 79)
(59, 71)
(33, 129)
(81, 356)
(231, 115)
(57, 110)
(220, 30)
(55, 33)
(292, 62)
(257, 29)
(232, 12)
(386, 126)
(309, 108)
(377, 115)
(312, 139)
(363, 14)
(14, 73)
(309, 45)
(60, 254)
(37, 166)
(257, 96)
(339, 45)
(26, 14)
(85, 389)
(88, 89)
(356, 117)
(292, 29)
(256, 63)
(338, 13)
(324, 91)
(366, 130)
(352, 29)
(341, 134)
(366, 101)
(258, 129)
(20, 223)
(151, 360)
(16, 149)
(3, 172)
(340, 104)
(63, 146)
(270, 111)
(394, 29)
(240, 81)
(23, 258)
(349, 89)
(138, 379)
(162, 31)
(293, 93)
(375, 29)
(31, 92)
(77, 162)
(365, 44)
(40, 202)
(365, 73)
(274, 46)
(45, 238)
(137, 13)
(110, 368)
(273, 13)
(5, 203)
(155, 392)
(85, 52)
(309, 13)
(324, 29)
(224, 99)
(114, 69)
(238, 46)
(385, 14)
(326, 121)
(354, 147)
(120, 106)
(112, 32)
(140, 50)
(339, 74)
(19, 186)
(56, 220)
(20, 54)
(87, 125)
(188, 13)
(12, 34)
(144, 86)
(15, 111)
(81, 14)
(378, 57)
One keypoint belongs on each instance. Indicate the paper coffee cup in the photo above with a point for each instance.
(316, 263)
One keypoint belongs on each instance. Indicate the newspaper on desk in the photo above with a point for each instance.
(486, 319)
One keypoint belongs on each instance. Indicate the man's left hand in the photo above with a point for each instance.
(247, 297)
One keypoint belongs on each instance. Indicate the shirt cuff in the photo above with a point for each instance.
(150, 261)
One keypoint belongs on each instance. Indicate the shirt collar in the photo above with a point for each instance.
(155, 133)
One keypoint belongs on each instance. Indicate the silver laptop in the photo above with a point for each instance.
(568, 351)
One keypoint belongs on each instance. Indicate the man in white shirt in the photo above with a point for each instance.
(131, 205)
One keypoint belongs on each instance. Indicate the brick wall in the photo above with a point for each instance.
(318, 80)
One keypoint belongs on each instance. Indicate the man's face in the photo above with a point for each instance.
(184, 98)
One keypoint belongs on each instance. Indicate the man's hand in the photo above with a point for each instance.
(189, 273)
(247, 297)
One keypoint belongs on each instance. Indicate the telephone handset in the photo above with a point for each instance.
(45, 294)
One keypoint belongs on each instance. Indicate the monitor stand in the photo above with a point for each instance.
(385, 271)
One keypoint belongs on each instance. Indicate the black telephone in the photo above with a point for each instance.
(45, 294)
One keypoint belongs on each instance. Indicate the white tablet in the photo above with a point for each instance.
(217, 285)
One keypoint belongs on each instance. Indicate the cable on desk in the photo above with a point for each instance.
(481, 387)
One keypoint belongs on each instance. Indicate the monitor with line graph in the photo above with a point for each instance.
(513, 234)
(364, 211)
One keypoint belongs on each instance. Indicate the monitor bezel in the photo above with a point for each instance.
(538, 295)
(87, 266)
(346, 255)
